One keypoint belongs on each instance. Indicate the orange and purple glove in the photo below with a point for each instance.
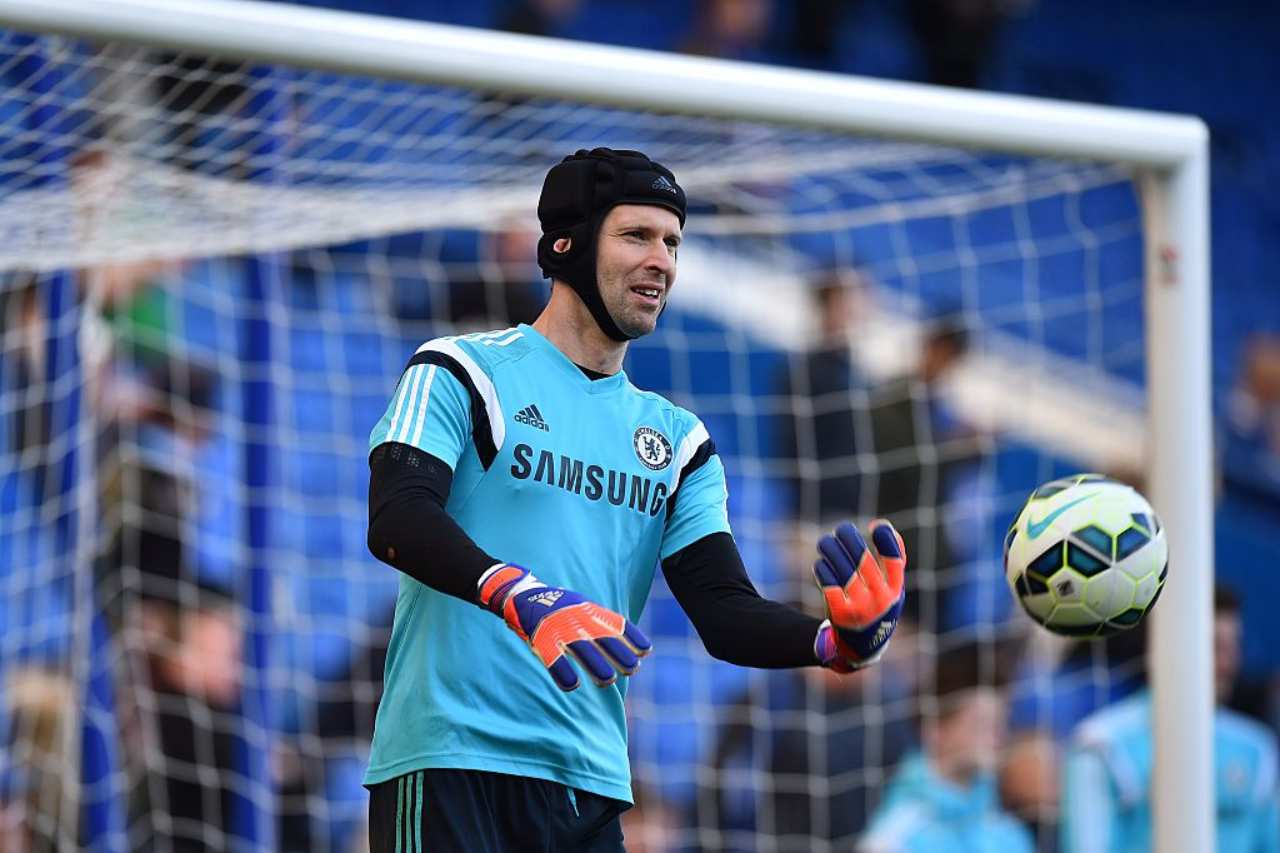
(559, 624)
(864, 594)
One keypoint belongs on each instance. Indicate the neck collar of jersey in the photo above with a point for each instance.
(570, 369)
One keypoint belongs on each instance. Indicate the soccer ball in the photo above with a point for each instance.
(1086, 556)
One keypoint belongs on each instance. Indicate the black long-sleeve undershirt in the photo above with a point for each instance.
(410, 530)
(735, 622)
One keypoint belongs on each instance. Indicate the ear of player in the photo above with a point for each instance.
(559, 624)
(864, 595)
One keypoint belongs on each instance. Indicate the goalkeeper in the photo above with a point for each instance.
(520, 473)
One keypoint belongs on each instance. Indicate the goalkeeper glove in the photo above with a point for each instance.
(558, 624)
(864, 595)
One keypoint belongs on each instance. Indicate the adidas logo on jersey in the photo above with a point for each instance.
(661, 183)
(548, 598)
(530, 416)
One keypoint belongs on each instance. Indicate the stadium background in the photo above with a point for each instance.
(1212, 60)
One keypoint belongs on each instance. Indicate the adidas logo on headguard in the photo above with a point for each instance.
(530, 416)
(661, 183)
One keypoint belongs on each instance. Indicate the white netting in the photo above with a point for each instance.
(213, 274)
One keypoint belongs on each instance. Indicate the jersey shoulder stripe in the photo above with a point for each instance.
(488, 426)
(492, 349)
(694, 451)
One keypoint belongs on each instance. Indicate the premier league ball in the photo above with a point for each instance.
(1086, 556)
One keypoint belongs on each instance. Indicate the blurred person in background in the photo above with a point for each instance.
(181, 639)
(918, 442)
(1106, 803)
(825, 423)
(943, 797)
(504, 286)
(1047, 703)
(539, 17)
(1251, 446)
(194, 670)
(825, 745)
(36, 766)
(957, 37)
(23, 376)
(730, 29)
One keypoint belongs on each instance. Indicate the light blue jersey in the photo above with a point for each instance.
(586, 483)
(1106, 804)
(923, 812)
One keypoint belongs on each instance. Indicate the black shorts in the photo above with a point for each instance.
(471, 811)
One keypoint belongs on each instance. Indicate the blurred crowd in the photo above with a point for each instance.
(974, 733)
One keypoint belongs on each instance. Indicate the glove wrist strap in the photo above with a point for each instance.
(501, 581)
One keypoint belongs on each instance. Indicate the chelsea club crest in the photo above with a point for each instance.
(652, 448)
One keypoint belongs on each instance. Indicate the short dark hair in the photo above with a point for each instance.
(950, 332)
(1225, 600)
(967, 667)
(829, 282)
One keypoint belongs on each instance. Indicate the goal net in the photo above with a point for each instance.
(212, 274)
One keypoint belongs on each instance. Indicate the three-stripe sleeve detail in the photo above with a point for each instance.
(410, 413)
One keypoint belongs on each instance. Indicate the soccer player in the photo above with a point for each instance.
(527, 491)
(1106, 803)
(943, 798)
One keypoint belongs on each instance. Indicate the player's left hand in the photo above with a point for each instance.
(864, 592)
(559, 624)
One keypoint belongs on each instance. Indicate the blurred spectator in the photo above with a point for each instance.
(504, 287)
(891, 450)
(943, 798)
(1106, 788)
(23, 372)
(540, 17)
(957, 37)
(730, 29)
(823, 742)
(1046, 705)
(826, 423)
(180, 702)
(815, 29)
(918, 443)
(1251, 446)
(36, 763)
(1030, 785)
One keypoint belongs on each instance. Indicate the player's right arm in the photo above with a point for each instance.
(415, 450)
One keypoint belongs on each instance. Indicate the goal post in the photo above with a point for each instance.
(1167, 156)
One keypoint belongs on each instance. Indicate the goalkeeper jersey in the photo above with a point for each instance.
(588, 483)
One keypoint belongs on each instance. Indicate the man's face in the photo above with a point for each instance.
(636, 264)
(969, 738)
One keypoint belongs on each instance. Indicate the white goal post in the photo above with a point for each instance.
(1167, 155)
